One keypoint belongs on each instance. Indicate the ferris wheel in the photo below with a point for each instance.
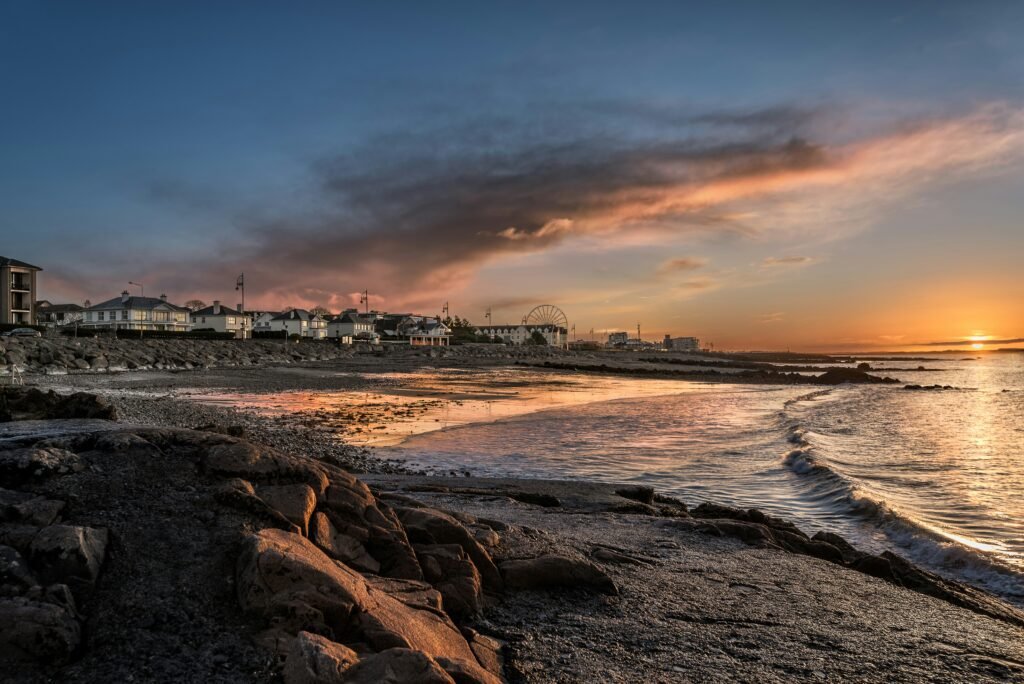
(546, 314)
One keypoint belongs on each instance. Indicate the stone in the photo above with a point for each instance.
(240, 494)
(550, 571)
(340, 546)
(295, 502)
(427, 526)
(38, 511)
(22, 465)
(69, 554)
(14, 570)
(488, 651)
(354, 511)
(285, 578)
(262, 464)
(398, 666)
(313, 659)
(454, 575)
(32, 630)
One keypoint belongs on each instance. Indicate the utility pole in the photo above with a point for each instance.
(573, 332)
(364, 298)
(637, 332)
(240, 285)
(488, 316)
(445, 310)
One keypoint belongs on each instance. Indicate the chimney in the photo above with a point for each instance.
(238, 307)
(163, 298)
(124, 296)
(216, 307)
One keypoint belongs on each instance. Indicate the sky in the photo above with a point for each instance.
(789, 175)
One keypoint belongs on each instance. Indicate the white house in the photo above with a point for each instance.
(56, 315)
(681, 343)
(296, 322)
(352, 325)
(222, 319)
(137, 313)
(522, 334)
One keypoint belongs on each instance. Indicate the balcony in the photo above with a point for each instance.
(21, 284)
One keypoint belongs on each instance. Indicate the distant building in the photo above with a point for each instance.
(222, 319)
(553, 335)
(17, 291)
(413, 329)
(681, 343)
(293, 322)
(617, 338)
(137, 313)
(57, 315)
(353, 325)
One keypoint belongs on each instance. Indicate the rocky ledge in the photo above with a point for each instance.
(180, 555)
(63, 355)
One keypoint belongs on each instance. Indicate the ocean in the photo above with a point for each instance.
(934, 475)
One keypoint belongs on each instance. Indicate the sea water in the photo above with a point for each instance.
(934, 475)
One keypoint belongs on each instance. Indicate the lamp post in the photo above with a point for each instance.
(142, 288)
(240, 285)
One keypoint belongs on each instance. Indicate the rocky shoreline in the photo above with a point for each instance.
(167, 554)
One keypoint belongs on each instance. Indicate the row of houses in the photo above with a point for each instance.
(127, 312)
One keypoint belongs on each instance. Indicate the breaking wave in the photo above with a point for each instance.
(919, 542)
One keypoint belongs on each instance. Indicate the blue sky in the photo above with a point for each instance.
(179, 141)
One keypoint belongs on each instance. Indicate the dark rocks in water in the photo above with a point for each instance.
(552, 571)
(537, 499)
(640, 493)
(931, 388)
(864, 366)
(839, 376)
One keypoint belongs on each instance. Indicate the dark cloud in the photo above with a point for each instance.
(409, 216)
(787, 261)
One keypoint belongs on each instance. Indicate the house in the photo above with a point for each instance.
(295, 322)
(137, 313)
(353, 325)
(57, 315)
(17, 291)
(523, 334)
(222, 319)
(413, 329)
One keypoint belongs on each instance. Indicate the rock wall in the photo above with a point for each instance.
(102, 354)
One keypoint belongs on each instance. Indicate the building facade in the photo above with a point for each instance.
(617, 338)
(17, 291)
(294, 322)
(354, 326)
(137, 313)
(222, 319)
(681, 343)
(523, 334)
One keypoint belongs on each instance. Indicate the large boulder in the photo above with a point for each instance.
(398, 666)
(288, 580)
(348, 550)
(449, 569)
(32, 630)
(428, 527)
(69, 554)
(295, 502)
(314, 659)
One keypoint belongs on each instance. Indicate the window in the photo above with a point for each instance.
(204, 319)
(161, 316)
(103, 315)
(231, 320)
(124, 315)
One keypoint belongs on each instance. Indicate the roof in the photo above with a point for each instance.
(293, 314)
(6, 261)
(135, 303)
(224, 311)
(349, 317)
(57, 308)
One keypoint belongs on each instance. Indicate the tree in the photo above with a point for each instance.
(320, 311)
(195, 304)
(537, 338)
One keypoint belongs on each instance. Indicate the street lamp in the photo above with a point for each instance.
(142, 289)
